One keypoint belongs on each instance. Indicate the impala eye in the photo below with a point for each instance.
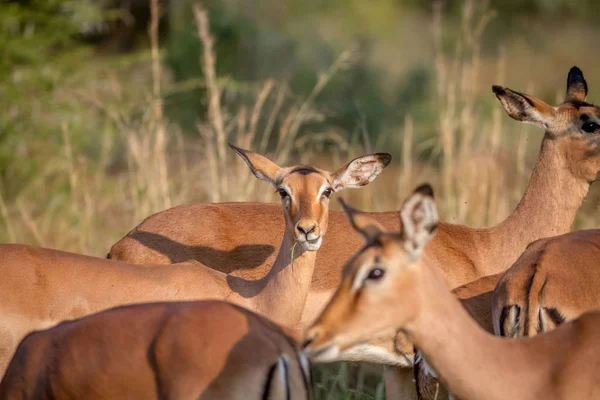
(283, 193)
(376, 274)
(327, 192)
(590, 127)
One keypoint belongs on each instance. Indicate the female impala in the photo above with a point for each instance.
(568, 161)
(554, 281)
(476, 298)
(389, 285)
(176, 350)
(41, 287)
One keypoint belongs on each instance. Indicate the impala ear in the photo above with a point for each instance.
(369, 228)
(360, 171)
(576, 86)
(524, 108)
(263, 168)
(419, 219)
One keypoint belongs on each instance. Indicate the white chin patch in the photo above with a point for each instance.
(376, 355)
(312, 245)
(330, 354)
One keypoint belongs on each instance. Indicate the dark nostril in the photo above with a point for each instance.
(304, 230)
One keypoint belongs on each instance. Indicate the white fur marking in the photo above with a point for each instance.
(322, 189)
(376, 355)
(359, 278)
(425, 367)
(287, 190)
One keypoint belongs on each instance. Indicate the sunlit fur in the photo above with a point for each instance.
(341, 324)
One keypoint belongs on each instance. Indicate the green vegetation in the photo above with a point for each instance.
(93, 139)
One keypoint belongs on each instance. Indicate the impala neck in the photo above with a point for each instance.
(472, 363)
(547, 208)
(284, 289)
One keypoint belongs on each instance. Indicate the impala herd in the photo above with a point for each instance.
(195, 303)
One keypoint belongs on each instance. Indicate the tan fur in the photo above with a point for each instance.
(557, 275)
(413, 296)
(567, 163)
(476, 298)
(215, 234)
(41, 287)
(177, 350)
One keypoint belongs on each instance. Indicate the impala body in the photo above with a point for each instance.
(556, 280)
(476, 298)
(177, 350)
(42, 287)
(389, 285)
(567, 163)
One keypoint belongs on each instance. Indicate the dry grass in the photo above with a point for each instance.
(85, 204)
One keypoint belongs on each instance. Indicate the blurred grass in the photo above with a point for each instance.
(91, 144)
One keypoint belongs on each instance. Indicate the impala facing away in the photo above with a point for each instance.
(389, 285)
(41, 287)
(556, 280)
(176, 350)
(569, 160)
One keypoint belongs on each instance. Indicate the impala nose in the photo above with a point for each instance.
(306, 229)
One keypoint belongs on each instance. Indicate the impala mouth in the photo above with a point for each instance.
(310, 244)
(323, 354)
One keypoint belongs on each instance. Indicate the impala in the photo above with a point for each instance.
(556, 280)
(476, 298)
(567, 163)
(41, 287)
(389, 285)
(176, 350)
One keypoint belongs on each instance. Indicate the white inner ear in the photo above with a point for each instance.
(418, 215)
(359, 173)
(514, 107)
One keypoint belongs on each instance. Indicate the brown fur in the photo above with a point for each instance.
(413, 296)
(53, 286)
(186, 350)
(568, 162)
(211, 233)
(554, 281)
(476, 298)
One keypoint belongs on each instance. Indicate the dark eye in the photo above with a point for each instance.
(376, 273)
(282, 193)
(327, 192)
(590, 127)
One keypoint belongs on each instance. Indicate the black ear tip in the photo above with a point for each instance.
(385, 158)
(425, 189)
(235, 148)
(498, 90)
(575, 73)
(348, 209)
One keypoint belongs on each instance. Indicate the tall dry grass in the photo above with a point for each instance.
(142, 163)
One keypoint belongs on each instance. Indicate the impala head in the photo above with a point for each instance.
(573, 125)
(381, 284)
(305, 190)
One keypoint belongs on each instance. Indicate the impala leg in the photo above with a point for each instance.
(399, 383)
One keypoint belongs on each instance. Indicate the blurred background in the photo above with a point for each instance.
(111, 110)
